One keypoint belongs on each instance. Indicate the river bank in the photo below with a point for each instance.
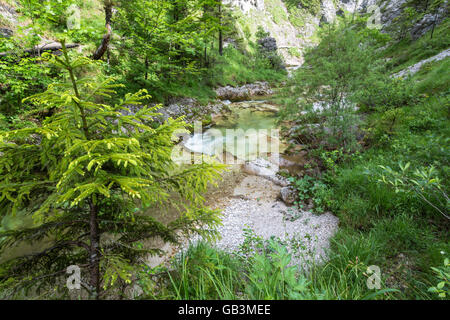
(254, 196)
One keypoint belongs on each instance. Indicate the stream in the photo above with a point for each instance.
(249, 194)
(247, 131)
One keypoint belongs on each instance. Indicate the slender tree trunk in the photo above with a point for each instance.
(146, 67)
(220, 30)
(434, 25)
(220, 43)
(107, 37)
(94, 252)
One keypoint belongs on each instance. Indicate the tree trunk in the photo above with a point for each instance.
(146, 67)
(220, 30)
(94, 251)
(107, 37)
(434, 25)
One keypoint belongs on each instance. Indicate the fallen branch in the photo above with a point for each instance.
(38, 50)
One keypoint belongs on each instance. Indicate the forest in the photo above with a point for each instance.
(224, 150)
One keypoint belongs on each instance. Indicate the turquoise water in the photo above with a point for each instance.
(244, 132)
(248, 119)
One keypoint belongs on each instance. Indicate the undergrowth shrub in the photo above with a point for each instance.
(203, 272)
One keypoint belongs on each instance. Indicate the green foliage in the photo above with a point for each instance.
(404, 121)
(406, 53)
(424, 182)
(296, 16)
(167, 43)
(159, 45)
(20, 76)
(19, 79)
(313, 189)
(24, 74)
(271, 277)
(261, 34)
(443, 274)
(405, 22)
(414, 11)
(79, 156)
(279, 15)
(236, 67)
(48, 11)
(310, 6)
(271, 58)
(171, 48)
(294, 52)
(345, 274)
(393, 218)
(91, 171)
(326, 87)
(206, 273)
(433, 78)
(265, 273)
(397, 223)
(382, 93)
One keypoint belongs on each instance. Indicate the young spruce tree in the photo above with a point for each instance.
(89, 175)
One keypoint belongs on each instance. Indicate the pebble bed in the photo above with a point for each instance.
(275, 219)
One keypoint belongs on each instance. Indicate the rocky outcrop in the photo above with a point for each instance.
(8, 19)
(392, 9)
(428, 21)
(266, 169)
(328, 11)
(191, 109)
(357, 5)
(415, 68)
(295, 33)
(246, 5)
(272, 16)
(244, 92)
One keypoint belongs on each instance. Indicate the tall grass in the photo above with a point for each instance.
(204, 273)
(207, 273)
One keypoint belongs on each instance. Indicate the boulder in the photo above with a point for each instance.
(266, 169)
(288, 195)
(244, 92)
(260, 167)
(191, 109)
